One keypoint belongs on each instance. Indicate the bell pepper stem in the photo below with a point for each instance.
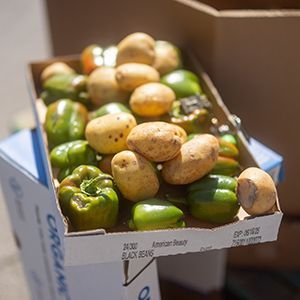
(91, 186)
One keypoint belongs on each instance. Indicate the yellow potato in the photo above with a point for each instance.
(196, 158)
(167, 57)
(130, 76)
(256, 191)
(108, 134)
(103, 87)
(137, 47)
(134, 176)
(157, 141)
(152, 99)
(54, 69)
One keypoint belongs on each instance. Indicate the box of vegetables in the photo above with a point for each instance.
(143, 157)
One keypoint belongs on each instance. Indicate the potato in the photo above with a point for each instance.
(108, 134)
(196, 158)
(256, 191)
(103, 87)
(167, 57)
(130, 76)
(157, 141)
(137, 47)
(54, 69)
(134, 176)
(152, 99)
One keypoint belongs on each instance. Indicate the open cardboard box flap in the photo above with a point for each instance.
(120, 243)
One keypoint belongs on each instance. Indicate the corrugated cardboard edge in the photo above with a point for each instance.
(240, 13)
(197, 240)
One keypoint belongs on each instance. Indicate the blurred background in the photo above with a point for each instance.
(254, 63)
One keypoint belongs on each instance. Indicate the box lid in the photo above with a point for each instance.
(22, 150)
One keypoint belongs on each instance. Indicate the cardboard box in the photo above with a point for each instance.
(35, 222)
(120, 244)
(249, 48)
(284, 254)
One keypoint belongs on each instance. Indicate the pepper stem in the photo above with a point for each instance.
(94, 187)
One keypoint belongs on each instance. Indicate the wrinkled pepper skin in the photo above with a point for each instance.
(71, 86)
(110, 108)
(213, 199)
(66, 157)
(88, 199)
(184, 83)
(94, 56)
(226, 166)
(65, 122)
(155, 214)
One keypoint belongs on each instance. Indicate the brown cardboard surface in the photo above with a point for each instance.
(282, 254)
(252, 4)
(251, 55)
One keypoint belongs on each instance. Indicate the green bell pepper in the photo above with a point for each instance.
(65, 122)
(110, 108)
(183, 82)
(66, 157)
(227, 149)
(213, 199)
(155, 214)
(230, 138)
(226, 166)
(192, 122)
(71, 86)
(88, 199)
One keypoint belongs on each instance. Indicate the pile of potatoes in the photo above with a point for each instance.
(140, 62)
(132, 149)
(135, 148)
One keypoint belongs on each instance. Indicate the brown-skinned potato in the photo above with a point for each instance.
(196, 158)
(131, 75)
(167, 57)
(256, 191)
(134, 176)
(152, 99)
(137, 47)
(157, 141)
(103, 87)
(54, 69)
(108, 134)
